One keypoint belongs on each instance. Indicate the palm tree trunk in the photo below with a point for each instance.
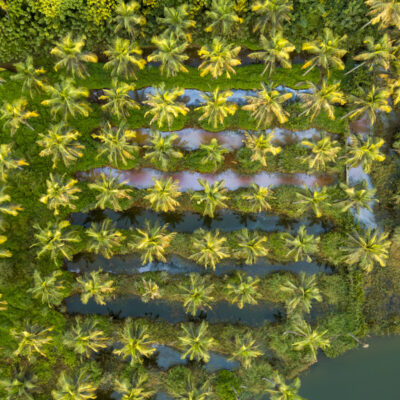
(356, 67)
(28, 125)
(364, 345)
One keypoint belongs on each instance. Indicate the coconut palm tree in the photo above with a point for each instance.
(327, 53)
(384, 12)
(222, 17)
(50, 290)
(274, 51)
(104, 238)
(70, 57)
(118, 100)
(301, 293)
(4, 253)
(60, 193)
(257, 197)
(110, 192)
(151, 242)
(15, 114)
(208, 248)
(191, 389)
(20, 386)
(271, 15)
(31, 341)
(322, 152)
(219, 58)
(7, 162)
(260, 145)
(66, 100)
(196, 294)
(31, 78)
(162, 196)
(245, 349)
(7, 209)
(195, 342)
(55, 240)
(125, 58)
(367, 249)
(267, 107)
(214, 153)
(243, 289)
(85, 337)
(95, 284)
(213, 196)
(78, 386)
(116, 144)
(149, 290)
(302, 245)
(216, 107)
(136, 387)
(3, 303)
(128, 18)
(177, 22)
(283, 391)
(60, 142)
(136, 342)
(314, 200)
(324, 98)
(162, 149)
(365, 153)
(358, 199)
(250, 245)
(170, 53)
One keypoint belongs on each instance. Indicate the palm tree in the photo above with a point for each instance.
(66, 99)
(212, 196)
(7, 209)
(104, 238)
(243, 290)
(370, 102)
(124, 58)
(49, 290)
(110, 192)
(7, 162)
(258, 197)
(60, 193)
(367, 249)
(136, 387)
(55, 240)
(128, 19)
(245, 349)
(3, 303)
(283, 391)
(266, 107)
(274, 51)
(271, 15)
(322, 152)
(95, 284)
(196, 342)
(301, 293)
(118, 100)
(15, 114)
(216, 107)
(20, 386)
(4, 253)
(250, 245)
(84, 337)
(223, 17)
(152, 242)
(358, 198)
(314, 200)
(31, 340)
(29, 76)
(136, 342)
(219, 58)
(61, 143)
(384, 12)
(170, 53)
(116, 144)
(191, 390)
(163, 105)
(177, 22)
(209, 248)
(260, 145)
(163, 194)
(76, 387)
(162, 149)
(196, 294)
(302, 245)
(365, 153)
(149, 290)
(70, 57)
(322, 99)
(327, 53)
(214, 153)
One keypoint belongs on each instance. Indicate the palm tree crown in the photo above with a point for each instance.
(128, 19)
(261, 145)
(222, 16)
(29, 76)
(177, 22)
(163, 194)
(315, 200)
(74, 387)
(7, 162)
(49, 290)
(245, 349)
(258, 197)
(15, 114)
(250, 245)
(243, 290)
(214, 153)
(302, 245)
(212, 196)
(95, 284)
(271, 15)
